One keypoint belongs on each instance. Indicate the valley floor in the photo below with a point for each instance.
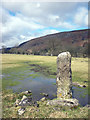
(13, 64)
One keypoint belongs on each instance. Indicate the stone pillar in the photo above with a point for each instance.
(64, 76)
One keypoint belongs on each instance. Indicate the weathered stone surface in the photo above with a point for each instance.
(64, 76)
(17, 102)
(77, 84)
(24, 97)
(21, 111)
(25, 101)
(88, 106)
(27, 92)
(44, 94)
(64, 102)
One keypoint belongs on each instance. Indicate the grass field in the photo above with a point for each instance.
(13, 66)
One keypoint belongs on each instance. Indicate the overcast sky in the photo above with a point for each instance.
(22, 21)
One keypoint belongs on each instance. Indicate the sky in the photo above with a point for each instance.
(23, 21)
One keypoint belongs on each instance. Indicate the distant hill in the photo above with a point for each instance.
(74, 41)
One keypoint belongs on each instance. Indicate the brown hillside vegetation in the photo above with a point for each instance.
(76, 42)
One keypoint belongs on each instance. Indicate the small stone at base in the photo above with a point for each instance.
(21, 111)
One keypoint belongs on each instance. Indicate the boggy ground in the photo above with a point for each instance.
(14, 65)
(42, 69)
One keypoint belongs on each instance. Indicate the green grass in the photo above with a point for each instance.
(16, 67)
(43, 111)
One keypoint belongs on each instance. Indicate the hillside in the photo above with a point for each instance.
(74, 41)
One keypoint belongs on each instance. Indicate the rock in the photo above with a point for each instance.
(43, 99)
(25, 101)
(84, 85)
(27, 92)
(64, 76)
(80, 85)
(24, 97)
(21, 111)
(36, 104)
(74, 83)
(64, 102)
(44, 94)
(17, 102)
(77, 84)
(88, 106)
(29, 99)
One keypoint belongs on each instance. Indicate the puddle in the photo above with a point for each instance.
(42, 84)
(38, 84)
(81, 94)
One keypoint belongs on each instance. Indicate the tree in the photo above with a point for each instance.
(52, 45)
(3, 49)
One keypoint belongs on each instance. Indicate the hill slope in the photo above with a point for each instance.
(74, 41)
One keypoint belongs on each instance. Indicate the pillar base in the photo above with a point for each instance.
(64, 102)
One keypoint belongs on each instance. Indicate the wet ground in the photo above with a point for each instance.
(39, 83)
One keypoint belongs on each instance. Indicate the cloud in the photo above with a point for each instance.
(67, 25)
(81, 17)
(22, 21)
(17, 25)
(49, 31)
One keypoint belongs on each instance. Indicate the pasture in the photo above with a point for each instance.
(15, 68)
(13, 65)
